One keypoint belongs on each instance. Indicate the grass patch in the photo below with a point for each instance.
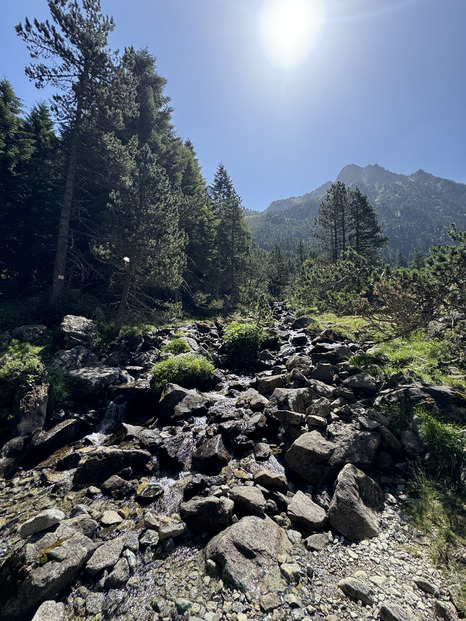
(439, 511)
(445, 444)
(188, 370)
(346, 326)
(418, 354)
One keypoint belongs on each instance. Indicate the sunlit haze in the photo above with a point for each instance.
(290, 29)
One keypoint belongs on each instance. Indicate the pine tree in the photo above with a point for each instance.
(15, 151)
(278, 273)
(233, 239)
(346, 219)
(79, 64)
(333, 221)
(40, 182)
(365, 236)
(141, 238)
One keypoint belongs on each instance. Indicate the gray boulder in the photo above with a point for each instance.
(208, 514)
(177, 451)
(211, 456)
(304, 512)
(85, 375)
(41, 521)
(106, 555)
(248, 553)
(30, 334)
(248, 499)
(102, 462)
(36, 584)
(361, 382)
(317, 459)
(75, 330)
(178, 403)
(50, 611)
(355, 506)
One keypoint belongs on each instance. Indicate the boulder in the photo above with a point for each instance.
(318, 459)
(178, 403)
(75, 330)
(266, 385)
(36, 584)
(211, 456)
(248, 551)
(41, 521)
(355, 506)
(106, 555)
(272, 481)
(176, 452)
(47, 442)
(309, 457)
(85, 375)
(102, 462)
(50, 611)
(248, 499)
(29, 413)
(208, 514)
(304, 512)
(361, 382)
(294, 399)
(30, 334)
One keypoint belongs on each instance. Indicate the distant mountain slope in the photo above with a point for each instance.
(415, 211)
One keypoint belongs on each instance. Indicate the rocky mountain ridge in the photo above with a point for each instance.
(415, 211)
(277, 493)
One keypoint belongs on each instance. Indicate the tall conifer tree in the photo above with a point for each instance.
(78, 64)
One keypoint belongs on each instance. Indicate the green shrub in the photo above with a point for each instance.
(188, 370)
(242, 340)
(20, 363)
(176, 346)
(445, 443)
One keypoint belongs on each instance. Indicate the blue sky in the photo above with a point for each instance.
(378, 81)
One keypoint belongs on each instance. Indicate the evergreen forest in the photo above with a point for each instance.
(106, 213)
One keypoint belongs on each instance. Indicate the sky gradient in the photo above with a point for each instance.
(379, 81)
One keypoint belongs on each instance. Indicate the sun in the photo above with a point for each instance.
(290, 29)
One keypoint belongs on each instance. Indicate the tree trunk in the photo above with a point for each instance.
(59, 268)
(124, 298)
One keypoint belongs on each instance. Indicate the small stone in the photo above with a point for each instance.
(426, 585)
(291, 572)
(50, 611)
(446, 611)
(317, 542)
(269, 602)
(357, 590)
(182, 605)
(110, 518)
(292, 600)
(149, 538)
(393, 612)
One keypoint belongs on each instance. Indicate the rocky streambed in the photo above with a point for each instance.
(277, 493)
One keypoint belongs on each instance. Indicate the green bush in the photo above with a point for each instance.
(176, 346)
(188, 370)
(242, 340)
(20, 363)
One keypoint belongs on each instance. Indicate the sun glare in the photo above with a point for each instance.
(290, 29)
